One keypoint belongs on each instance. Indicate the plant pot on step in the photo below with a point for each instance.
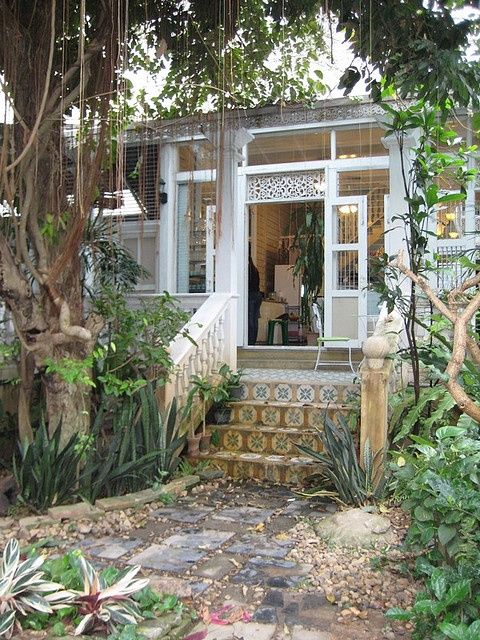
(236, 393)
(205, 442)
(222, 414)
(193, 446)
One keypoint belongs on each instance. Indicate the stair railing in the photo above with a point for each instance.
(211, 341)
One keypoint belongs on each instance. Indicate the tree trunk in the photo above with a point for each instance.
(68, 405)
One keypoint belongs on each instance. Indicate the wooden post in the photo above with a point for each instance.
(375, 376)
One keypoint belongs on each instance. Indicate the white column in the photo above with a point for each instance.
(229, 244)
(168, 236)
(395, 238)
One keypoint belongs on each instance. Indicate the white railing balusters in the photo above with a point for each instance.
(208, 328)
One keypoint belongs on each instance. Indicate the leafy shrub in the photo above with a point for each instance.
(104, 604)
(46, 474)
(340, 466)
(23, 588)
(439, 480)
(144, 448)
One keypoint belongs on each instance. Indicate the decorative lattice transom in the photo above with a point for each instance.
(299, 185)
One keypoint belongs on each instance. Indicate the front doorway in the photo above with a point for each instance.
(286, 245)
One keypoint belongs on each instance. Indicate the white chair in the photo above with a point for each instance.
(323, 340)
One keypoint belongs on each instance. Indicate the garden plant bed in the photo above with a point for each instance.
(251, 547)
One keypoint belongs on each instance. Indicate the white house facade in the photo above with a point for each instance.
(275, 167)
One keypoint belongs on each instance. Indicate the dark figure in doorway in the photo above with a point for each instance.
(254, 301)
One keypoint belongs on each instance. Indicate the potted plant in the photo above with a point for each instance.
(309, 265)
(208, 392)
(231, 381)
(193, 440)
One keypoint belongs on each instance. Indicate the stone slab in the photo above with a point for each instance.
(301, 633)
(112, 548)
(189, 515)
(275, 573)
(246, 630)
(166, 558)
(247, 515)
(139, 498)
(198, 539)
(216, 568)
(260, 545)
(32, 522)
(75, 512)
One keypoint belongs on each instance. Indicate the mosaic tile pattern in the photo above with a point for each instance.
(328, 393)
(239, 439)
(261, 391)
(298, 376)
(270, 416)
(283, 392)
(305, 393)
(276, 469)
(294, 417)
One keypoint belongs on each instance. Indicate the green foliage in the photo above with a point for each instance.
(47, 474)
(104, 604)
(309, 265)
(136, 340)
(425, 198)
(439, 481)
(408, 416)
(144, 448)
(23, 588)
(340, 466)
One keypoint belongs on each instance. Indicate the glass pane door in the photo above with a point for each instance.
(346, 269)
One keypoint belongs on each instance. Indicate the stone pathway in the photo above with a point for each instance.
(227, 544)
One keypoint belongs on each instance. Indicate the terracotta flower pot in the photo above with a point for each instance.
(205, 443)
(193, 446)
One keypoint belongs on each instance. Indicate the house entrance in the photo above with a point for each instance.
(286, 265)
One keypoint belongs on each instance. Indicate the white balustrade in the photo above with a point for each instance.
(211, 341)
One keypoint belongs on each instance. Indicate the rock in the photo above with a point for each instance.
(133, 500)
(32, 522)
(75, 512)
(356, 528)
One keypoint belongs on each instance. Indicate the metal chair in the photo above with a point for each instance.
(321, 340)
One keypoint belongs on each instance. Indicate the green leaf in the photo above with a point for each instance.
(446, 533)
(449, 432)
(422, 514)
(396, 613)
(458, 592)
(438, 583)
(454, 631)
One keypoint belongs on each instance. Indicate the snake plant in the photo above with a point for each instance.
(340, 466)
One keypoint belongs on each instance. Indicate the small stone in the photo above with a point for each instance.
(31, 522)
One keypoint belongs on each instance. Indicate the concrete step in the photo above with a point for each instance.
(241, 438)
(300, 358)
(279, 469)
(296, 415)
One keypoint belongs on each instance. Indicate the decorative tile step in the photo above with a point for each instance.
(293, 389)
(272, 468)
(240, 438)
(283, 414)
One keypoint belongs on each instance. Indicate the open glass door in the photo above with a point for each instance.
(345, 306)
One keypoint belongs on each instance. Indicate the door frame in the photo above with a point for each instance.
(331, 247)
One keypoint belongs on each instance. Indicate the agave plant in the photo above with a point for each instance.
(340, 466)
(107, 605)
(23, 589)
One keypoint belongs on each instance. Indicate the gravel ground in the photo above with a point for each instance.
(359, 585)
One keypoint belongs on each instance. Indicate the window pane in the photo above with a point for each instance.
(363, 142)
(289, 147)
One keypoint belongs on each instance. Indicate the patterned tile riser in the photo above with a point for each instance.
(282, 416)
(304, 393)
(271, 442)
